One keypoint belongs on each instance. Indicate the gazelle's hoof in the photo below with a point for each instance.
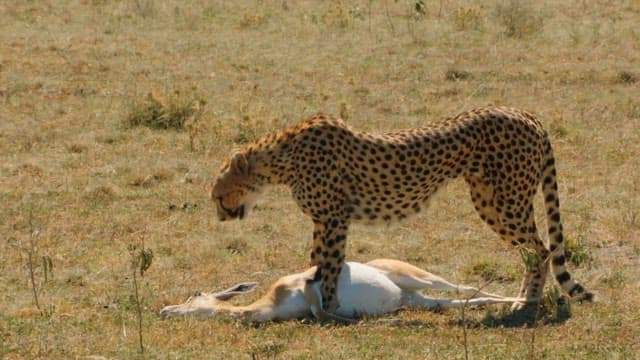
(523, 305)
(518, 306)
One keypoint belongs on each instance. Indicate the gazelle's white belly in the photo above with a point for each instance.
(364, 290)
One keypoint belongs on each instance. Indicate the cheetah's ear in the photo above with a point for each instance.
(240, 164)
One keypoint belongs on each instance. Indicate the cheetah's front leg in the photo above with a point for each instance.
(329, 241)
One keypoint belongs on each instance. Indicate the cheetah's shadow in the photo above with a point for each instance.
(530, 316)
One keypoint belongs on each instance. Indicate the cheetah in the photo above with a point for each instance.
(339, 175)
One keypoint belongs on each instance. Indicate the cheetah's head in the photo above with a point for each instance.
(237, 188)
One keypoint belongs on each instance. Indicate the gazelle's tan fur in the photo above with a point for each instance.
(376, 288)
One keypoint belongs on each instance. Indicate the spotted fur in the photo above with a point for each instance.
(339, 175)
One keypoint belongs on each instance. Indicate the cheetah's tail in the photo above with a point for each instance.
(556, 240)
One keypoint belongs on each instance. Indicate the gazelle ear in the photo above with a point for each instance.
(240, 164)
(237, 289)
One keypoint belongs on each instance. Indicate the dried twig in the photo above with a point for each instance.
(30, 251)
(386, 8)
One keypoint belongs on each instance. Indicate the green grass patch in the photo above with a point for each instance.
(468, 18)
(491, 271)
(518, 18)
(577, 251)
(172, 112)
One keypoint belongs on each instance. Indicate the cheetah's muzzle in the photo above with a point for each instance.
(231, 213)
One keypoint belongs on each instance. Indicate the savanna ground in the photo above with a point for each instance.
(79, 184)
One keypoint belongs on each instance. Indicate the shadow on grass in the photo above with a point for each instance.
(420, 324)
(528, 317)
(369, 322)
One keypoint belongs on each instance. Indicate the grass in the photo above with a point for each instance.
(155, 113)
(518, 18)
(491, 271)
(72, 71)
(468, 18)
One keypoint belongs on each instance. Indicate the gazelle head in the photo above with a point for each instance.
(209, 304)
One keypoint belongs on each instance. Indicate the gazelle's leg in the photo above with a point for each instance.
(417, 300)
(411, 278)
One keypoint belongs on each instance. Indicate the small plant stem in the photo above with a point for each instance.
(30, 253)
(386, 8)
(33, 280)
(464, 332)
(370, 2)
(138, 308)
(464, 321)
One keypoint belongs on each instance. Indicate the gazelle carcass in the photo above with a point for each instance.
(376, 288)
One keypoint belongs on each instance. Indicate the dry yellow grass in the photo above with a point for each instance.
(91, 185)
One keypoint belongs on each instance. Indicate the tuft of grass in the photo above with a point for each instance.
(577, 251)
(558, 126)
(626, 77)
(236, 246)
(100, 195)
(344, 111)
(193, 122)
(157, 113)
(614, 280)
(252, 19)
(267, 350)
(245, 131)
(77, 148)
(552, 298)
(144, 8)
(31, 170)
(338, 15)
(490, 271)
(631, 217)
(468, 18)
(518, 18)
(453, 74)
(150, 180)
